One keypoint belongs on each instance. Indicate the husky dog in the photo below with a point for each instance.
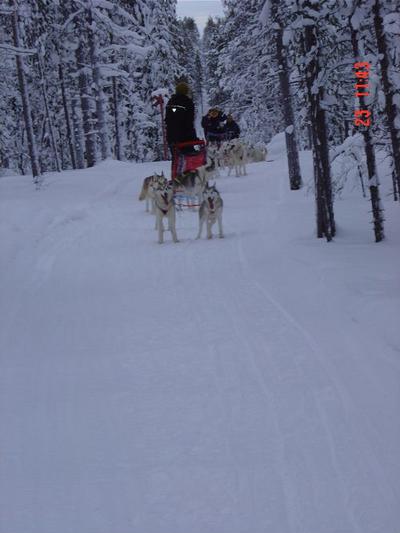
(235, 154)
(149, 185)
(214, 161)
(256, 153)
(194, 181)
(165, 207)
(210, 211)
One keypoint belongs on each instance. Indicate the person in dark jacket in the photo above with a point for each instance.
(179, 116)
(213, 125)
(232, 130)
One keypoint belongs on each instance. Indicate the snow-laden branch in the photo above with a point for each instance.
(265, 14)
(17, 50)
(130, 47)
(70, 19)
(112, 70)
(5, 10)
(119, 31)
(392, 23)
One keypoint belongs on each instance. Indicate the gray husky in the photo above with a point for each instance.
(149, 185)
(210, 211)
(165, 207)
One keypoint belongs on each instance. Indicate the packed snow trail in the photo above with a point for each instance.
(239, 385)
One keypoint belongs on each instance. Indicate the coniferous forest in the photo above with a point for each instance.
(78, 80)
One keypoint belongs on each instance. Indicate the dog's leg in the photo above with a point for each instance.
(209, 226)
(147, 203)
(201, 222)
(172, 226)
(221, 233)
(160, 225)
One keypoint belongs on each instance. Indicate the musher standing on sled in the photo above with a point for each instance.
(179, 117)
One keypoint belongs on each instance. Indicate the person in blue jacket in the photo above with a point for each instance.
(231, 129)
(213, 125)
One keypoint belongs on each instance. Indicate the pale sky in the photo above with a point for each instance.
(200, 10)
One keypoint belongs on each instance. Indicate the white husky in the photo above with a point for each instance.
(210, 211)
(257, 153)
(235, 156)
(165, 207)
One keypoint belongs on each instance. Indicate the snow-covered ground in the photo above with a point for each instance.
(240, 385)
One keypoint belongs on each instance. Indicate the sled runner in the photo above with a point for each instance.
(188, 156)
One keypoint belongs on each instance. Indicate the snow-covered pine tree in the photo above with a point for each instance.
(390, 81)
(189, 59)
(19, 52)
(11, 143)
(312, 18)
(89, 91)
(241, 73)
(279, 20)
(356, 13)
(214, 43)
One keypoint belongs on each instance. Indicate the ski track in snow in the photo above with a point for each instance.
(179, 388)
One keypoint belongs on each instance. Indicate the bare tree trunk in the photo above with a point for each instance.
(67, 116)
(98, 92)
(396, 192)
(117, 146)
(47, 108)
(388, 89)
(373, 181)
(77, 131)
(115, 101)
(26, 104)
(286, 101)
(85, 95)
(322, 175)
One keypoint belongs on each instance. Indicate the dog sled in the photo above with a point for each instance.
(187, 157)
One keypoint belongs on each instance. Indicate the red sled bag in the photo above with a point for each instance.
(188, 156)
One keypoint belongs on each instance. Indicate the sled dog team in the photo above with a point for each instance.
(159, 192)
